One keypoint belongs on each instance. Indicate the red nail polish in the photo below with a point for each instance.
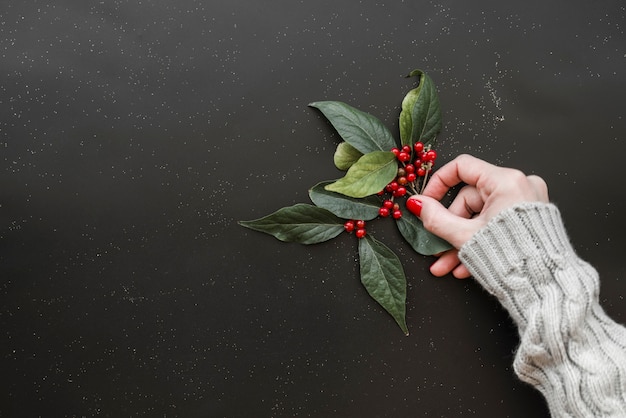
(415, 206)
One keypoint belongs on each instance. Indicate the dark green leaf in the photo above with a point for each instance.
(420, 118)
(346, 155)
(368, 176)
(361, 130)
(383, 277)
(306, 224)
(422, 241)
(344, 206)
(406, 121)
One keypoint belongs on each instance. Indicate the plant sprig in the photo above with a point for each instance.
(373, 161)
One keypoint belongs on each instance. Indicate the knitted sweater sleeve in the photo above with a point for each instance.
(570, 350)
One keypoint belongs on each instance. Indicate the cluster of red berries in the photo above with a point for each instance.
(358, 226)
(414, 165)
(424, 159)
(390, 208)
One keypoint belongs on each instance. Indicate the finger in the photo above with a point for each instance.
(449, 263)
(445, 264)
(463, 169)
(540, 187)
(467, 202)
(461, 272)
(441, 222)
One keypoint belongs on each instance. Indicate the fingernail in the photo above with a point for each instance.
(414, 206)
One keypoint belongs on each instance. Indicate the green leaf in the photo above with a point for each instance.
(368, 176)
(359, 129)
(422, 241)
(344, 206)
(306, 224)
(420, 118)
(346, 155)
(406, 121)
(383, 277)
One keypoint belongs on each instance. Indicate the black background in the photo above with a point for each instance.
(134, 134)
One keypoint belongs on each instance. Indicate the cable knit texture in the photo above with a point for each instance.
(569, 349)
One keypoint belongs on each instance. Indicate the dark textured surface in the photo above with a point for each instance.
(134, 134)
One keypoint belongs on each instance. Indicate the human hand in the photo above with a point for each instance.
(489, 190)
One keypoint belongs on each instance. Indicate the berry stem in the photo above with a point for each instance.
(425, 178)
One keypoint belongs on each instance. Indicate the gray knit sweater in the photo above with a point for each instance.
(569, 349)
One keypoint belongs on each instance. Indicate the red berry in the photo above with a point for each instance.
(402, 181)
(421, 172)
(430, 155)
(384, 212)
(411, 177)
(388, 204)
(397, 214)
(360, 233)
(404, 156)
(360, 223)
(393, 186)
(400, 192)
(418, 147)
(409, 168)
(349, 226)
(395, 151)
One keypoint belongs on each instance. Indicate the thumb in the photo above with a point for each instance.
(439, 220)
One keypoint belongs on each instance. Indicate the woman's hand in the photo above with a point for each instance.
(489, 190)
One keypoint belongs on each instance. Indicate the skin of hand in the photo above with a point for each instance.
(488, 190)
